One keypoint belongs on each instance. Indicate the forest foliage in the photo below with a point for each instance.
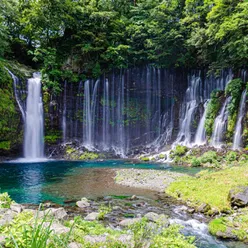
(85, 38)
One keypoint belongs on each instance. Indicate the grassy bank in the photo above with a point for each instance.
(210, 187)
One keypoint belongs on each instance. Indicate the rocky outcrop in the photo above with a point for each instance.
(239, 197)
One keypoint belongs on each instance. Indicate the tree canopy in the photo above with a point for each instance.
(89, 37)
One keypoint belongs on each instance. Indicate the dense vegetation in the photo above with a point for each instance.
(77, 39)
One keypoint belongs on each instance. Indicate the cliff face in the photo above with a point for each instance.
(11, 121)
(123, 112)
(119, 112)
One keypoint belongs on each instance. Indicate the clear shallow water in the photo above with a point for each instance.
(62, 180)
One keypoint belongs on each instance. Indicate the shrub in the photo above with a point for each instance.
(209, 157)
(89, 156)
(178, 151)
(195, 162)
(231, 156)
(145, 159)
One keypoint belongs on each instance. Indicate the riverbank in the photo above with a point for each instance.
(221, 195)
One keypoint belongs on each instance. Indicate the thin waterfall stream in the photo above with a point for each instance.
(237, 141)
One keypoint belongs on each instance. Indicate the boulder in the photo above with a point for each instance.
(204, 208)
(227, 234)
(7, 217)
(160, 219)
(128, 222)
(92, 216)
(57, 228)
(134, 197)
(16, 208)
(3, 210)
(239, 197)
(151, 216)
(58, 213)
(84, 203)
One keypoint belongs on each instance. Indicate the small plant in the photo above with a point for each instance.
(145, 159)
(5, 200)
(103, 210)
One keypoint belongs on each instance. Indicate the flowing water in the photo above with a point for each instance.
(16, 84)
(237, 141)
(200, 136)
(220, 125)
(34, 124)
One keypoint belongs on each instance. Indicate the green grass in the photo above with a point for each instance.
(210, 187)
(237, 224)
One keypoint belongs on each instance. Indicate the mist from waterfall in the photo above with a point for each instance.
(237, 141)
(34, 124)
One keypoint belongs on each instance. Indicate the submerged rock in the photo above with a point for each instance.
(239, 197)
(157, 218)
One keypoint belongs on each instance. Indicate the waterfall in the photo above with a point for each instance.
(87, 116)
(34, 125)
(220, 126)
(106, 116)
(200, 136)
(136, 109)
(15, 83)
(64, 113)
(237, 140)
(193, 98)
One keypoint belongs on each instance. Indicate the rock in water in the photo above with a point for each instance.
(239, 197)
